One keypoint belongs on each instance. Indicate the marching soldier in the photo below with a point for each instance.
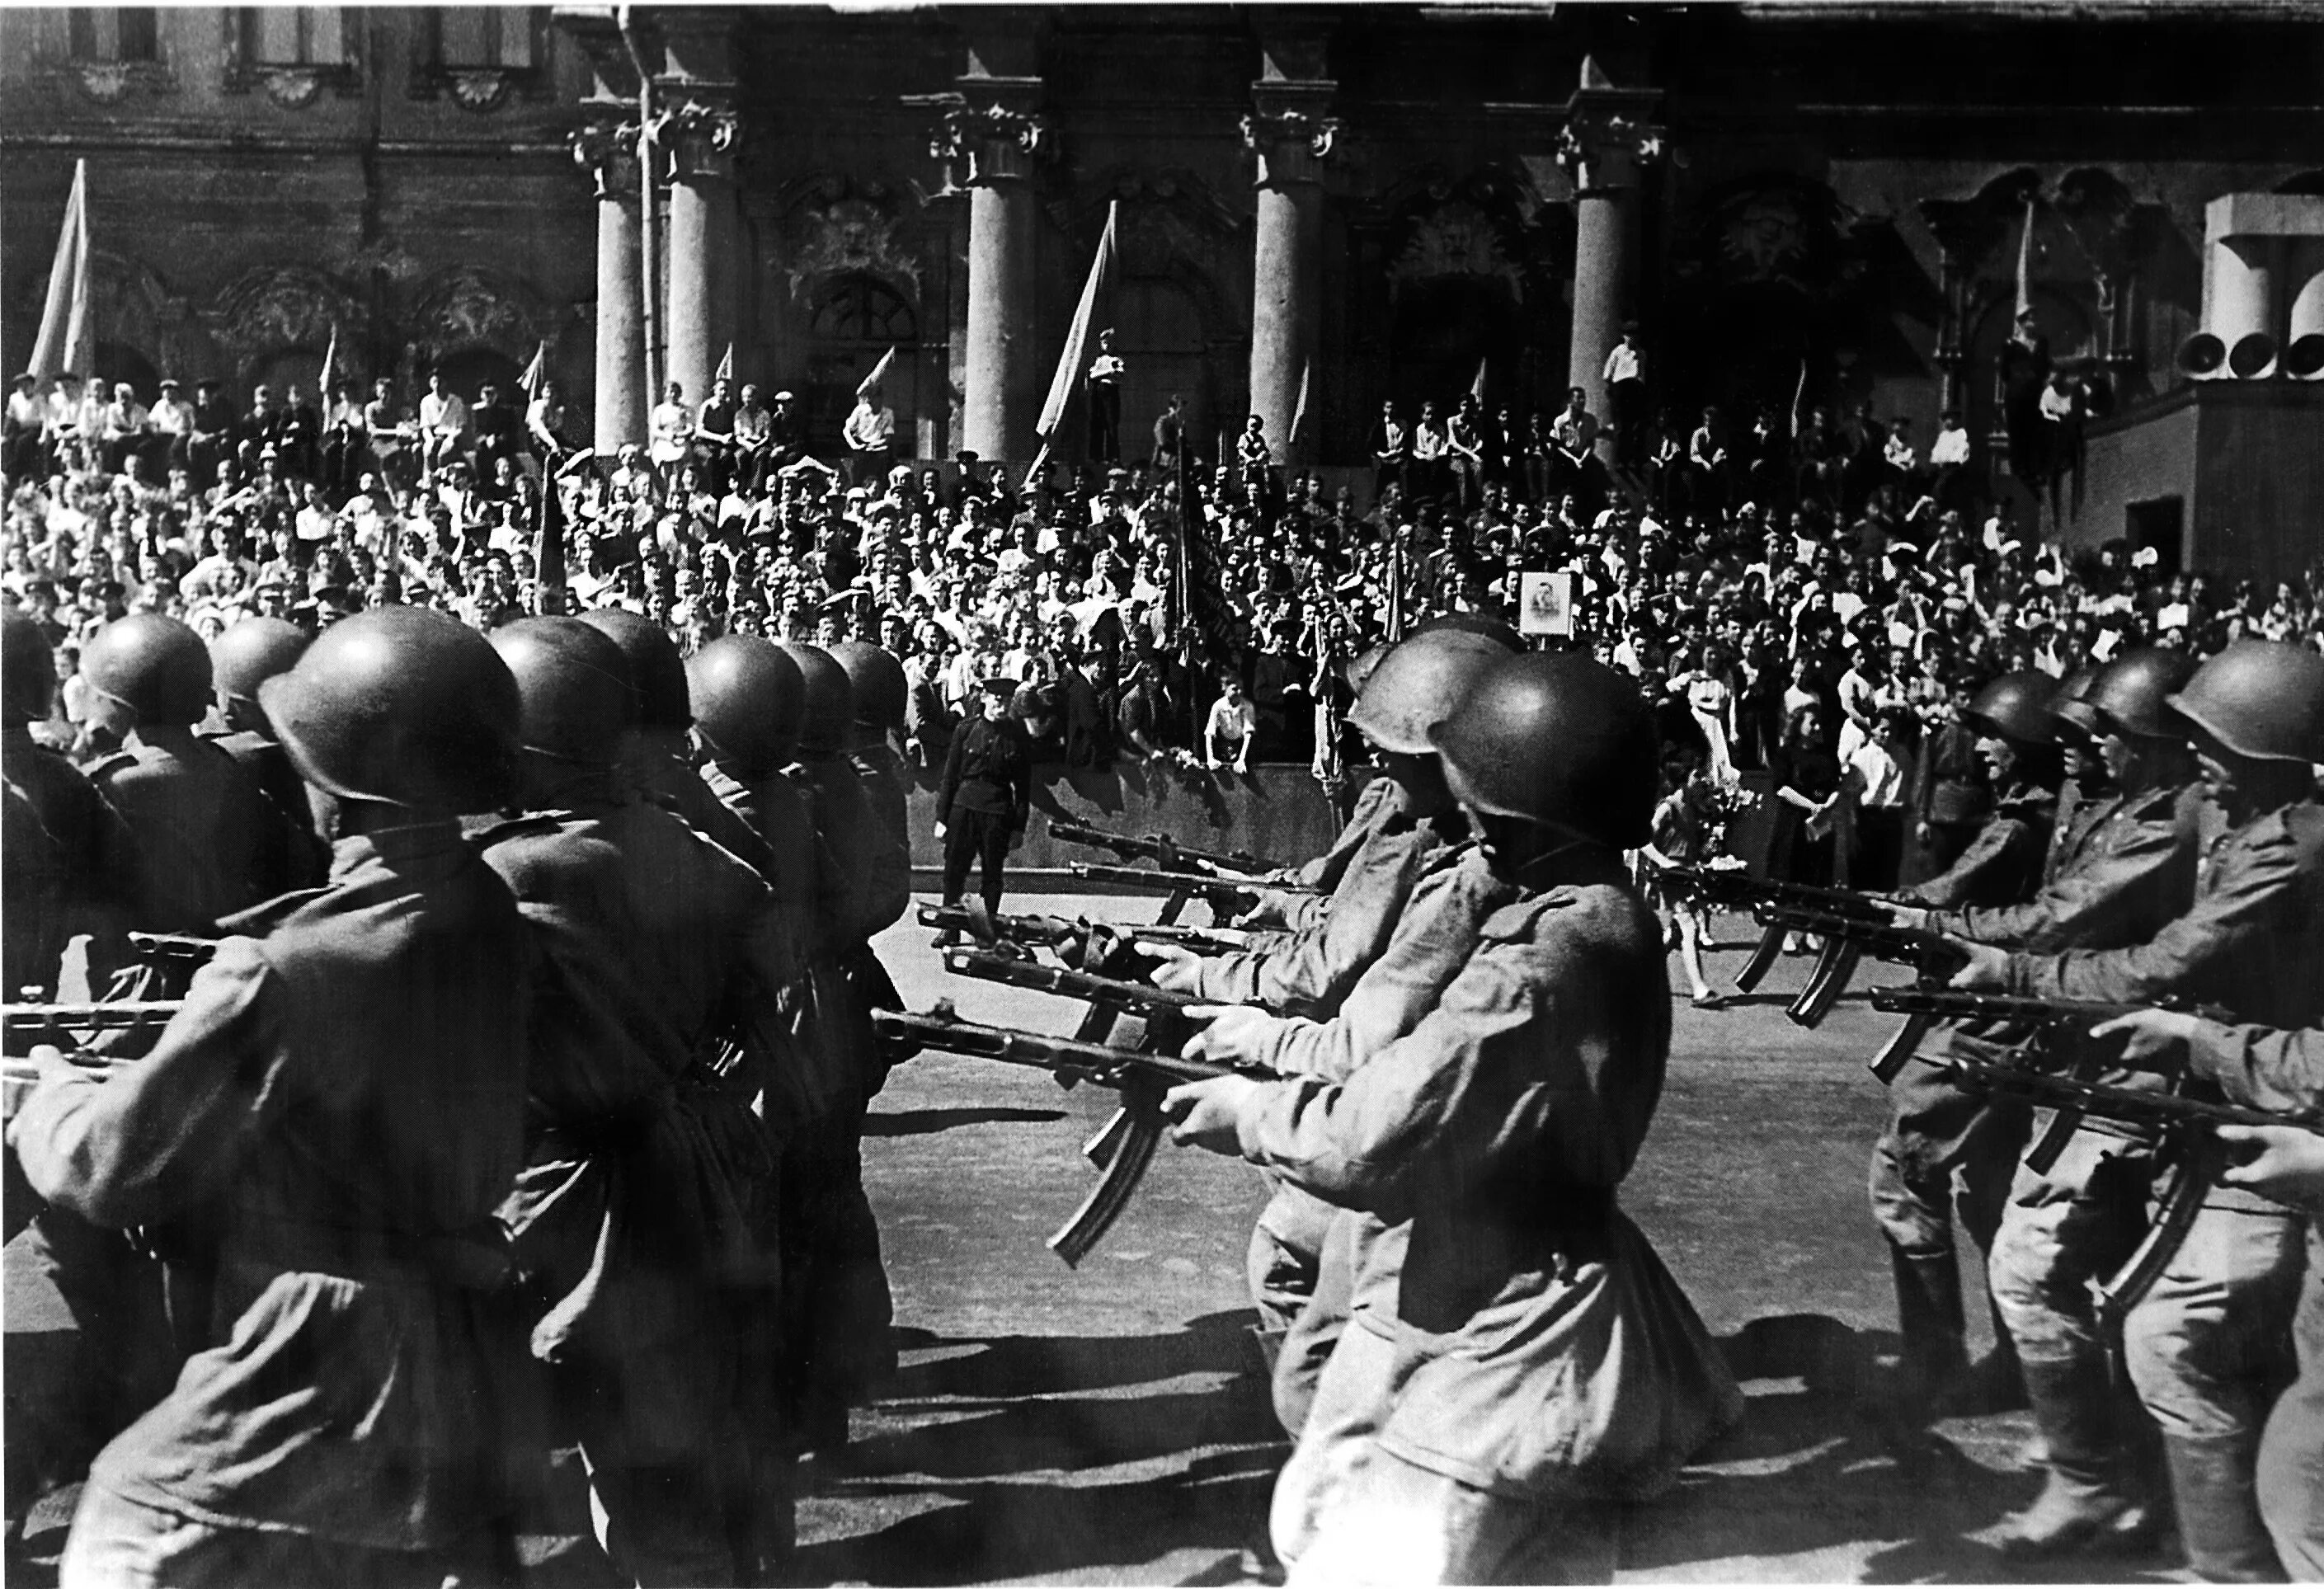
(2265, 1068)
(2126, 867)
(1946, 1152)
(70, 865)
(205, 833)
(242, 659)
(749, 701)
(1312, 972)
(1542, 1362)
(657, 758)
(2196, 1345)
(343, 1091)
(877, 682)
(851, 1341)
(639, 1214)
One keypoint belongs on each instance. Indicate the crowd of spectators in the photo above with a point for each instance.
(1792, 591)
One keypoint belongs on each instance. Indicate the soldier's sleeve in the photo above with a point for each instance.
(1434, 940)
(949, 785)
(2262, 1067)
(1316, 967)
(1436, 1108)
(162, 1134)
(1988, 856)
(2106, 900)
(1322, 872)
(2244, 907)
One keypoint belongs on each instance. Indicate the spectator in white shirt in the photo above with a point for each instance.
(443, 424)
(1625, 393)
(1233, 721)
(1876, 771)
(670, 430)
(869, 433)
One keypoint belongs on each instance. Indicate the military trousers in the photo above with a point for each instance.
(2059, 1232)
(1394, 1523)
(1946, 1155)
(2210, 1346)
(117, 1543)
(2291, 1451)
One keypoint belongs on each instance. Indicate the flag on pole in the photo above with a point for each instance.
(1069, 362)
(2026, 260)
(879, 373)
(330, 372)
(1299, 408)
(535, 372)
(725, 370)
(548, 555)
(68, 341)
(1477, 387)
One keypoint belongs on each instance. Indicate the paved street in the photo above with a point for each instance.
(1108, 1424)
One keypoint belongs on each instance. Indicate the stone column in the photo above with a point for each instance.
(608, 152)
(1292, 137)
(700, 140)
(999, 135)
(1606, 141)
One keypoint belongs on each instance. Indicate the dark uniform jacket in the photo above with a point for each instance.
(208, 840)
(643, 1166)
(2002, 864)
(345, 1089)
(889, 886)
(68, 865)
(2124, 869)
(990, 769)
(304, 858)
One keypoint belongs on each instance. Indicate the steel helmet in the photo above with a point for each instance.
(2260, 699)
(153, 668)
(1473, 623)
(655, 666)
(748, 703)
(830, 700)
(576, 700)
(28, 668)
(877, 680)
(2017, 706)
(2128, 694)
(2070, 704)
(1417, 685)
(251, 652)
(402, 705)
(1357, 669)
(1555, 739)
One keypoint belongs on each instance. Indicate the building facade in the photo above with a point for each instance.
(1320, 208)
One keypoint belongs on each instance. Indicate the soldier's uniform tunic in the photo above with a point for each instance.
(1542, 1359)
(2206, 1344)
(1310, 972)
(1380, 801)
(2284, 1071)
(639, 1214)
(1945, 1149)
(68, 864)
(344, 1090)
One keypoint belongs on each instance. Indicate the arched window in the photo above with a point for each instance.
(852, 321)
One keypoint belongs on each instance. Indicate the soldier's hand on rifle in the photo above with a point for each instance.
(1206, 1113)
(2149, 1034)
(1237, 1033)
(1913, 917)
(1177, 968)
(2285, 1162)
(1986, 969)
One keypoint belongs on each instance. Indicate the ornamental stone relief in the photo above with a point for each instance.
(845, 236)
(1456, 239)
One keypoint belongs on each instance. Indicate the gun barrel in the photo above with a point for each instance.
(1023, 928)
(1162, 848)
(994, 968)
(125, 1015)
(1741, 889)
(1960, 1004)
(1212, 939)
(2110, 1102)
(1092, 1062)
(1172, 882)
(1902, 945)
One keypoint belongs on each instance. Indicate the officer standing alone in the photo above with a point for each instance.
(986, 795)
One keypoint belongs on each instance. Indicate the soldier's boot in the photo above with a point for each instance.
(2087, 1502)
(2215, 1488)
(1934, 1353)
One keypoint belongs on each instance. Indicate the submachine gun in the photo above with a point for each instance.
(2180, 1114)
(1222, 893)
(1088, 945)
(1122, 1148)
(1848, 937)
(1165, 851)
(1736, 889)
(68, 1029)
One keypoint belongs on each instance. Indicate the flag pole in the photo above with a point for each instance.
(1069, 357)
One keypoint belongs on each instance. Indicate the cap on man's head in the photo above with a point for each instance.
(169, 383)
(27, 379)
(785, 397)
